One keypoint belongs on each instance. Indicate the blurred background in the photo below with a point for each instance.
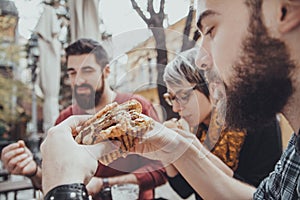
(140, 37)
(28, 26)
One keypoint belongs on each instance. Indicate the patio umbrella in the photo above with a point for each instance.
(47, 29)
(84, 19)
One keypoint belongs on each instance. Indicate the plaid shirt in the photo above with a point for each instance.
(283, 182)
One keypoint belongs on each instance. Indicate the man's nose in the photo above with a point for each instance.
(203, 59)
(79, 79)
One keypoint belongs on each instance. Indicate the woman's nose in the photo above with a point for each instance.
(203, 59)
(176, 107)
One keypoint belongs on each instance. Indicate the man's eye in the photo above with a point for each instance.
(210, 31)
(87, 71)
(70, 73)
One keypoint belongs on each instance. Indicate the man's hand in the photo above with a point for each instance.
(65, 161)
(177, 124)
(18, 159)
(162, 144)
(94, 186)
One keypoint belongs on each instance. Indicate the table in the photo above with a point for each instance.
(4, 174)
(15, 186)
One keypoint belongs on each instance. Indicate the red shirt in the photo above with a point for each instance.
(149, 173)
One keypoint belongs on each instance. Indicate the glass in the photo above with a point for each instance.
(181, 97)
(125, 192)
(105, 193)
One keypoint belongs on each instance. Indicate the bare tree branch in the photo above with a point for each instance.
(188, 43)
(162, 6)
(187, 29)
(197, 35)
(150, 7)
(155, 24)
(139, 11)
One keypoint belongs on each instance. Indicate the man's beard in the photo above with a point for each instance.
(91, 100)
(262, 84)
(218, 101)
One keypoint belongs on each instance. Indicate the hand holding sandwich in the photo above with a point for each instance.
(95, 139)
(67, 162)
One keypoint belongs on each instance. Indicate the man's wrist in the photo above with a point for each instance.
(35, 171)
(68, 191)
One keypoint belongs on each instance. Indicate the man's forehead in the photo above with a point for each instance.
(83, 58)
(216, 5)
(81, 61)
(203, 5)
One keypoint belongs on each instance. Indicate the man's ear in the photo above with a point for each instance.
(290, 17)
(106, 71)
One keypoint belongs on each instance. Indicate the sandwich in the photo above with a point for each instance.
(122, 122)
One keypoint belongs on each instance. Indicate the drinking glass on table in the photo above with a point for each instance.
(125, 192)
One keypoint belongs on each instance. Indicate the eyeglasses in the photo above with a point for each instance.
(181, 97)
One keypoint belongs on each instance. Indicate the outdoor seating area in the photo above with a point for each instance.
(8, 186)
(11, 186)
(149, 100)
(20, 188)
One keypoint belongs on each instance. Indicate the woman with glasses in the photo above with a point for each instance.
(245, 153)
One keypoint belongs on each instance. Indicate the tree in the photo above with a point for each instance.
(14, 94)
(188, 43)
(8, 113)
(9, 56)
(155, 24)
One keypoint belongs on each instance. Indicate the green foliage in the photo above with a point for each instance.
(10, 110)
(9, 53)
(12, 92)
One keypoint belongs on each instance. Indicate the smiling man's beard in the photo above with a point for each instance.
(90, 101)
(262, 84)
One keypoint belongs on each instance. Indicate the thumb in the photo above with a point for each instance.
(74, 121)
(21, 143)
(103, 148)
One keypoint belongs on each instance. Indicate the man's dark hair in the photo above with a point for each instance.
(86, 46)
